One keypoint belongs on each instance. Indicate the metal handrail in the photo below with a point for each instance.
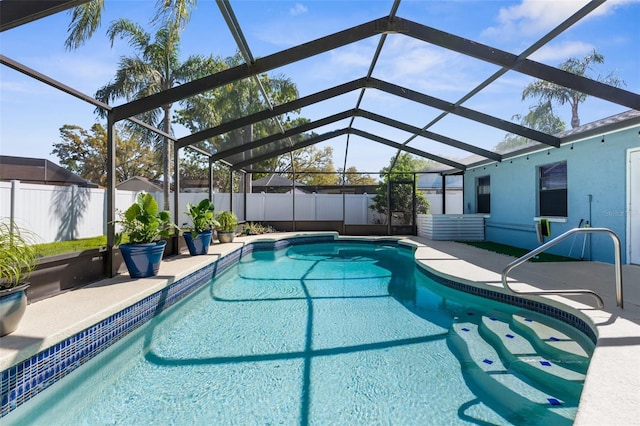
(556, 240)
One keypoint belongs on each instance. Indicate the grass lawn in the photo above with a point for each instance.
(62, 247)
(518, 252)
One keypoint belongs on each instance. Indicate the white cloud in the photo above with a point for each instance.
(536, 17)
(532, 17)
(298, 9)
(423, 67)
(560, 52)
(610, 5)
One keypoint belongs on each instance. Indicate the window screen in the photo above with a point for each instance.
(553, 189)
(484, 194)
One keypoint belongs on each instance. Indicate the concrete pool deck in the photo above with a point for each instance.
(611, 394)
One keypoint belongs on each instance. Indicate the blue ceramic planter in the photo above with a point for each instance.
(13, 303)
(199, 244)
(143, 260)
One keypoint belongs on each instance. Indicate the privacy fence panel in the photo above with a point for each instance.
(57, 213)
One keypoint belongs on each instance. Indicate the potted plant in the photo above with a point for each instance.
(143, 224)
(198, 236)
(227, 224)
(18, 258)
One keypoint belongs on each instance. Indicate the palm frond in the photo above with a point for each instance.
(85, 20)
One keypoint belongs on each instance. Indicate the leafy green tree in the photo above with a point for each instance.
(236, 100)
(546, 91)
(85, 153)
(352, 177)
(156, 67)
(401, 196)
(312, 166)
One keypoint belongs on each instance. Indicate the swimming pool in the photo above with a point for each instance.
(323, 333)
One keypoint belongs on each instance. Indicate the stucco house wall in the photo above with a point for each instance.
(596, 192)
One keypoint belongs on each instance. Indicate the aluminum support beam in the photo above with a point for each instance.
(430, 135)
(14, 13)
(311, 141)
(267, 63)
(71, 91)
(270, 113)
(279, 136)
(408, 149)
(465, 112)
(524, 66)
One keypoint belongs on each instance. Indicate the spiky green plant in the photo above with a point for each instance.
(18, 255)
(228, 221)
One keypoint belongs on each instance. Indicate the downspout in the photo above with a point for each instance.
(444, 194)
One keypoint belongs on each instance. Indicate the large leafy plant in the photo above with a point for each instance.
(202, 216)
(144, 223)
(18, 255)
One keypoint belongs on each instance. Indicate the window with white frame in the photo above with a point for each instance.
(552, 189)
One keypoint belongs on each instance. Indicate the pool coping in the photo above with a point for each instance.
(97, 302)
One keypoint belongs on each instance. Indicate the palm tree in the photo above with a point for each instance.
(540, 117)
(549, 92)
(86, 18)
(155, 68)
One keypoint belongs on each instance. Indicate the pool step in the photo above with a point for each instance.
(553, 343)
(499, 385)
(520, 355)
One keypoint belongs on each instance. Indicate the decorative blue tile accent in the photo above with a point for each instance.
(515, 300)
(487, 361)
(554, 401)
(545, 363)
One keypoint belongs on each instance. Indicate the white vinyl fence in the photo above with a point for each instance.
(59, 213)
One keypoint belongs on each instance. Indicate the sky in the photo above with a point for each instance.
(31, 113)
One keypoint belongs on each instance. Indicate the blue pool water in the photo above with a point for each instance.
(341, 333)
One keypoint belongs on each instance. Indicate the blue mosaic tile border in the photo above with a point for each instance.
(518, 301)
(26, 379)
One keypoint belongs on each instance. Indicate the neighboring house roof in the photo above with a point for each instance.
(273, 181)
(39, 170)
(139, 183)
